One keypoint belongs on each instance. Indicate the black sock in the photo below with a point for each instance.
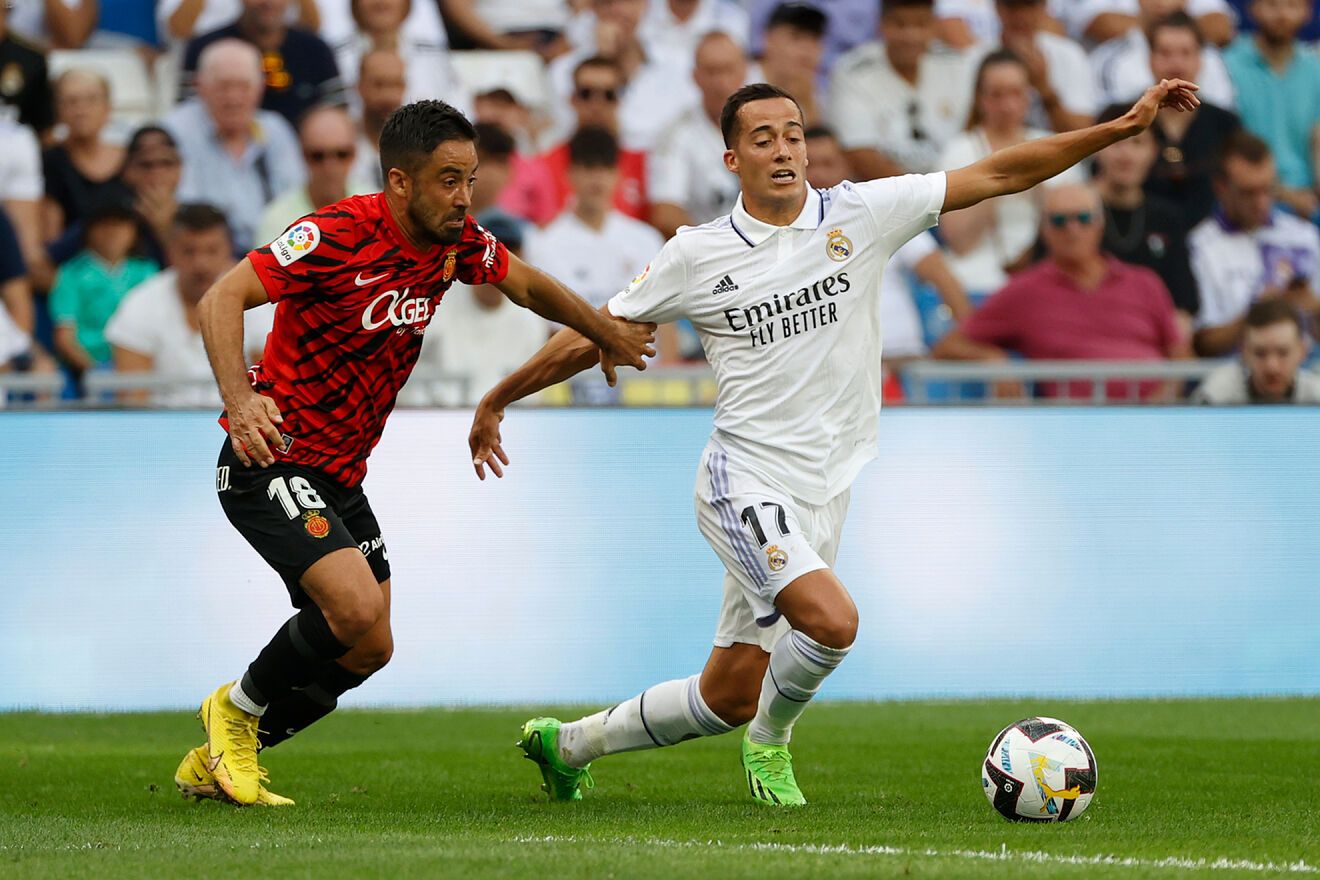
(293, 658)
(303, 708)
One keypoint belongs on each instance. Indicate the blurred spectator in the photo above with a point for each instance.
(383, 24)
(1143, 229)
(1249, 250)
(1270, 371)
(995, 236)
(791, 55)
(896, 103)
(597, 89)
(21, 185)
(90, 286)
(125, 24)
(235, 156)
(1123, 65)
(591, 247)
(458, 343)
(18, 350)
(381, 85)
(674, 28)
(652, 90)
(1098, 21)
(155, 328)
(1189, 142)
(535, 25)
(495, 152)
(964, 23)
(1076, 304)
(1057, 68)
(1278, 86)
(422, 23)
(181, 20)
(59, 24)
(689, 184)
(24, 90)
(500, 105)
(329, 147)
(827, 164)
(83, 167)
(848, 24)
(298, 66)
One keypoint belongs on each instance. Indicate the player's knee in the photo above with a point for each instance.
(376, 658)
(354, 619)
(835, 630)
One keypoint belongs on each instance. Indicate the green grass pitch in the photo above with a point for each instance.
(1215, 788)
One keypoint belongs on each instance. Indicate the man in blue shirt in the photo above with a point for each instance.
(1278, 89)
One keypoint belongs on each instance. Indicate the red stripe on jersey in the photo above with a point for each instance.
(354, 298)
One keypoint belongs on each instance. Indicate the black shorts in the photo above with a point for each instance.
(294, 515)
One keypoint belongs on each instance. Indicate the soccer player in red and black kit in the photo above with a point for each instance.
(356, 285)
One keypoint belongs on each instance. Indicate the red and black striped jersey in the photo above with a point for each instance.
(353, 300)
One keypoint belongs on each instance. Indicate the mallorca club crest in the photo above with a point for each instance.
(316, 525)
(451, 261)
(838, 246)
(775, 557)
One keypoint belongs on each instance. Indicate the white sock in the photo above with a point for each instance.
(798, 667)
(243, 701)
(662, 715)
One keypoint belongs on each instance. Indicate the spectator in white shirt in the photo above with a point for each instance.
(987, 240)
(1058, 70)
(380, 88)
(791, 55)
(1098, 21)
(535, 25)
(592, 247)
(60, 24)
(1270, 370)
(422, 23)
(386, 24)
(156, 329)
(477, 337)
(235, 156)
(676, 27)
(1123, 68)
(1248, 249)
(686, 177)
(180, 20)
(895, 103)
(22, 186)
(964, 23)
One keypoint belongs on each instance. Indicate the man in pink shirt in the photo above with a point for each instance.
(1077, 304)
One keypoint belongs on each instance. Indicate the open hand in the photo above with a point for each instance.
(1177, 93)
(484, 441)
(628, 345)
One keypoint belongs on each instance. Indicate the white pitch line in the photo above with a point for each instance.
(1004, 854)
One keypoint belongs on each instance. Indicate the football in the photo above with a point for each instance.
(1039, 770)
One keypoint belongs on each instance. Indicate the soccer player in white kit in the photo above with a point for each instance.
(784, 294)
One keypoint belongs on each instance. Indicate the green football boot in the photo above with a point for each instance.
(770, 774)
(540, 743)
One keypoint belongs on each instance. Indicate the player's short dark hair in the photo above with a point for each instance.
(200, 217)
(746, 95)
(893, 5)
(799, 16)
(494, 142)
(1243, 145)
(593, 147)
(1179, 21)
(414, 130)
(1267, 312)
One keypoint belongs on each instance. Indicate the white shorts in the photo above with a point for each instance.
(766, 539)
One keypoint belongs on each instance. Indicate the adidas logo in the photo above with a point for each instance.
(726, 285)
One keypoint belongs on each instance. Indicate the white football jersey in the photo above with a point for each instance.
(789, 317)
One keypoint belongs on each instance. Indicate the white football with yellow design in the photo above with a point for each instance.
(1039, 770)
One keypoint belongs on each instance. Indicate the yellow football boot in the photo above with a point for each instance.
(231, 743)
(195, 782)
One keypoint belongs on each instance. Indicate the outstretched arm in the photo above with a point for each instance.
(566, 354)
(1021, 167)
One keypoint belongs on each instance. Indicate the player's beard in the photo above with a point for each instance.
(431, 224)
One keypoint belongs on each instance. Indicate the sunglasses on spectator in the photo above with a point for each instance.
(319, 156)
(586, 93)
(154, 164)
(1083, 218)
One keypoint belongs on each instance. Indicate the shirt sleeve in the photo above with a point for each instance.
(998, 321)
(482, 258)
(309, 256)
(668, 177)
(1074, 80)
(657, 293)
(1215, 297)
(132, 326)
(902, 207)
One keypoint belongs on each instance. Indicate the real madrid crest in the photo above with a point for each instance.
(838, 246)
(775, 557)
(450, 260)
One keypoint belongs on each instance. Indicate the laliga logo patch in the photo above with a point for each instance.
(775, 557)
(299, 241)
(450, 262)
(642, 277)
(838, 246)
(317, 526)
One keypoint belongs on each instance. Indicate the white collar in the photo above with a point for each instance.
(754, 231)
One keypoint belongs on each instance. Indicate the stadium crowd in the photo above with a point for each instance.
(145, 147)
